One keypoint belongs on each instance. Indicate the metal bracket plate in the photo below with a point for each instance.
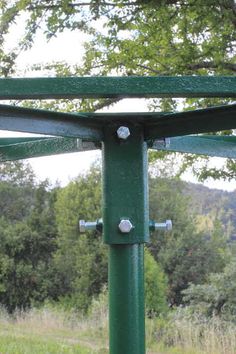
(125, 186)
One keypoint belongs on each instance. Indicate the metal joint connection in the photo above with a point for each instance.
(125, 225)
(123, 132)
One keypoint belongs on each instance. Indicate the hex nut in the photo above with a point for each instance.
(123, 132)
(125, 226)
(82, 224)
(168, 225)
(167, 143)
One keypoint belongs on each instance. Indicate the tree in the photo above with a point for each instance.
(81, 260)
(216, 297)
(184, 254)
(17, 173)
(138, 37)
(17, 183)
(27, 238)
(43, 254)
(157, 37)
(22, 275)
(166, 37)
(155, 287)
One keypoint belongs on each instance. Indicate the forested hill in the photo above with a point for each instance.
(213, 204)
(204, 198)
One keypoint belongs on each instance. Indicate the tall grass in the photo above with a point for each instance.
(53, 330)
(192, 334)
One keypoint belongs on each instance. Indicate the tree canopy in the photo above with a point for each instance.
(130, 37)
(139, 37)
(45, 257)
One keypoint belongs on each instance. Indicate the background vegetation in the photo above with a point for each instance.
(190, 272)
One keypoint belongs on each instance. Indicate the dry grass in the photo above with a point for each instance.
(51, 330)
(213, 337)
(56, 331)
(192, 335)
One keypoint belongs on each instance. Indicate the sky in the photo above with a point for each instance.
(68, 47)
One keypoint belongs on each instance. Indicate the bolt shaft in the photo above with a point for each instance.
(90, 225)
(167, 225)
(160, 225)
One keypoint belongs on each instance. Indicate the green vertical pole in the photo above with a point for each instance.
(125, 197)
(126, 299)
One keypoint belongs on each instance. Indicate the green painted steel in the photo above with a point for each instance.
(125, 196)
(211, 145)
(49, 123)
(89, 126)
(118, 87)
(126, 299)
(192, 122)
(25, 148)
(19, 140)
(125, 182)
(125, 186)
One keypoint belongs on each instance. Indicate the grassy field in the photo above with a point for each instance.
(182, 335)
(49, 331)
(52, 330)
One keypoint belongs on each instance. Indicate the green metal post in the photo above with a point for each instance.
(126, 299)
(125, 198)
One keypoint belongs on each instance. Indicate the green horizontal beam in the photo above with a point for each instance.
(25, 148)
(49, 123)
(192, 122)
(211, 145)
(90, 126)
(19, 140)
(118, 87)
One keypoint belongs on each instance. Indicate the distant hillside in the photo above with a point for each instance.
(216, 204)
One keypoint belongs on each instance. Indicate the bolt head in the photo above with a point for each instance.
(82, 226)
(168, 225)
(125, 226)
(167, 143)
(123, 133)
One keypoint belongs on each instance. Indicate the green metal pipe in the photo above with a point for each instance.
(126, 299)
(125, 203)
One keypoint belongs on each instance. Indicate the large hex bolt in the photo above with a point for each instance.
(166, 226)
(125, 226)
(90, 225)
(123, 132)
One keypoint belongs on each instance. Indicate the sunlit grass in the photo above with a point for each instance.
(50, 330)
(27, 344)
(191, 335)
